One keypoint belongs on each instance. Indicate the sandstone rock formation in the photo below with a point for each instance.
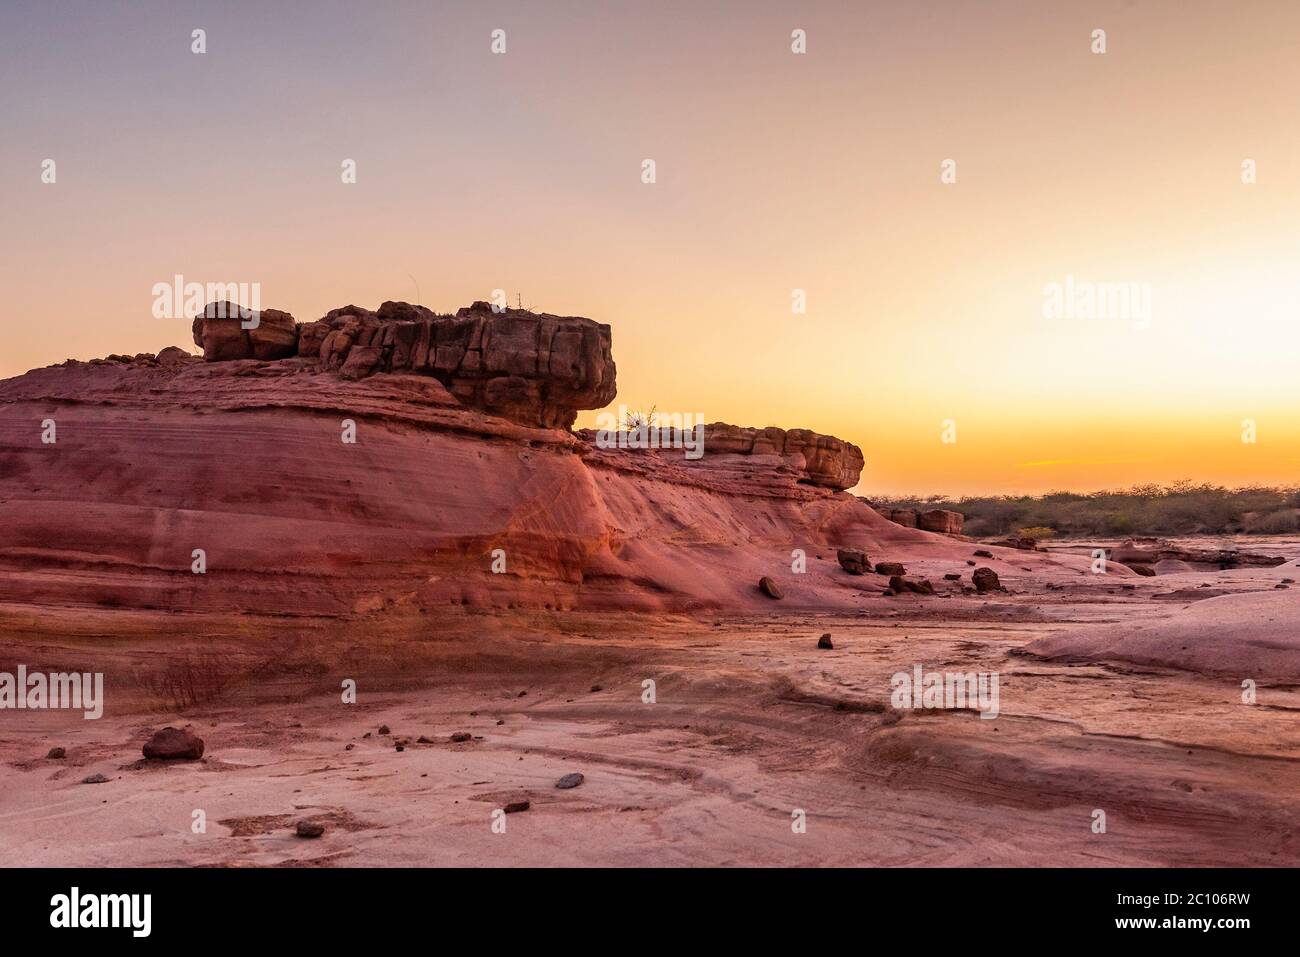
(320, 496)
(1149, 556)
(1022, 542)
(941, 520)
(825, 460)
(899, 516)
(853, 561)
(533, 368)
(220, 331)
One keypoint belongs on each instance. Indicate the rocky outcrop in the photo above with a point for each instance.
(899, 516)
(941, 520)
(226, 334)
(376, 472)
(1143, 554)
(899, 584)
(1022, 542)
(824, 460)
(533, 368)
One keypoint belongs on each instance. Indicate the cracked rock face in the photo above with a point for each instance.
(825, 460)
(221, 333)
(533, 368)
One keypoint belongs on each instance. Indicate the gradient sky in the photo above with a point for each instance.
(775, 172)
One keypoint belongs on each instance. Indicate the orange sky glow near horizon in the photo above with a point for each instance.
(776, 172)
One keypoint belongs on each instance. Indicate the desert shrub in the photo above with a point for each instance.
(1037, 532)
(1275, 523)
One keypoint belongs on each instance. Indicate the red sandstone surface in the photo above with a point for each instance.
(467, 547)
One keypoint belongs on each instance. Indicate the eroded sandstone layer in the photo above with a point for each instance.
(386, 463)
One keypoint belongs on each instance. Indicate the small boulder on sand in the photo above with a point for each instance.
(853, 561)
(57, 753)
(174, 744)
(986, 580)
(770, 588)
(825, 641)
(310, 829)
(890, 568)
(460, 737)
(570, 781)
(514, 807)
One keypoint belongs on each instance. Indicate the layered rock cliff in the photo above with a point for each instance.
(387, 465)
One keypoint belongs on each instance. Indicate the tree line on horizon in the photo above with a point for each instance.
(1179, 508)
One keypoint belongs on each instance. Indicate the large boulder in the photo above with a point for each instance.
(225, 333)
(174, 744)
(533, 368)
(899, 516)
(941, 520)
(853, 561)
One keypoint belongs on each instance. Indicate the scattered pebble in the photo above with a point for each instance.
(95, 779)
(825, 641)
(310, 829)
(570, 781)
(514, 807)
(384, 729)
(460, 736)
(57, 753)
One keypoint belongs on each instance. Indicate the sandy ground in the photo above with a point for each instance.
(751, 723)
